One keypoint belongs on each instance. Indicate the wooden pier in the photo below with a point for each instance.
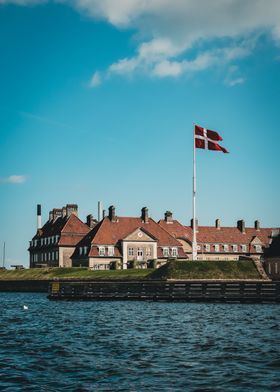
(189, 291)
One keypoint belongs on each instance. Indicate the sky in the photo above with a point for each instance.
(98, 101)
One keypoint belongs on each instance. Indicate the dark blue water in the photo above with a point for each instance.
(137, 346)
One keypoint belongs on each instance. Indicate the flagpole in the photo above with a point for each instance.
(194, 244)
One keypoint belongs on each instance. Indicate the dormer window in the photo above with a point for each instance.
(225, 248)
(110, 251)
(244, 248)
(165, 252)
(217, 248)
(234, 248)
(174, 252)
(101, 250)
(258, 248)
(207, 248)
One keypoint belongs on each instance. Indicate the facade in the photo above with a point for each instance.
(126, 242)
(55, 242)
(272, 257)
(220, 243)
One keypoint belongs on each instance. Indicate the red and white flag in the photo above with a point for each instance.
(206, 139)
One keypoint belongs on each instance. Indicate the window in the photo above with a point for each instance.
(198, 247)
(244, 248)
(207, 248)
(80, 250)
(56, 253)
(258, 248)
(148, 252)
(110, 251)
(234, 248)
(130, 252)
(226, 248)
(56, 238)
(165, 252)
(217, 248)
(174, 252)
(101, 250)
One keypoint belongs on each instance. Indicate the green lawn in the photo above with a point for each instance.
(72, 273)
(175, 269)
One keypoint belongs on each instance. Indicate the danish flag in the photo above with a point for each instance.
(206, 139)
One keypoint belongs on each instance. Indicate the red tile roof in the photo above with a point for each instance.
(224, 235)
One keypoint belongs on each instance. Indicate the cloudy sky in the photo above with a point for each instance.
(98, 101)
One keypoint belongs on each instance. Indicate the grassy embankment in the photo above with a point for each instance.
(243, 269)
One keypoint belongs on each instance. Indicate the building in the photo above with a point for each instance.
(126, 242)
(272, 257)
(218, 242)
(55, 241)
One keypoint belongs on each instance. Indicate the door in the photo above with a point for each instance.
(140, 254)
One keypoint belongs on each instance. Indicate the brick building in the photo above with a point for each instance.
(126, 242)
(218, 242)
(55, 241)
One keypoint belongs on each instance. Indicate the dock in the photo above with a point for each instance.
(188, 291)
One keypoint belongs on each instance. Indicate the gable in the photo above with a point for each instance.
(139, 235)
(256, 241)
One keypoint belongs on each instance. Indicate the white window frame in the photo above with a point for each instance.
(198, 247)
(165, 252)
(102, 251)
(258, 248)
(111, 251)
(226, 248)
(244, 248)
(130, 251)
(174, 252)
(217, 248)
(235, 248)
(148, 251)
(207, 247)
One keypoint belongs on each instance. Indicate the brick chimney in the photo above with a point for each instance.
(218, 224)
(57, 212)
(39, 216)
(196, 221)
(168, 217)
(103, 214)
(71, 209)
(145, 215)
(50, 215)
(241, 225)
(112, 214)
(257, 225)
(91, 222)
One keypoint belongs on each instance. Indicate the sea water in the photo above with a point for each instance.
(137, 346)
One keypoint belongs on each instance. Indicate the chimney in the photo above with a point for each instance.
(99, 211)
(168, 217)
(50, 216)
(56, 213)
(103, 214)
(218, 224)
(196, 223)
(63, 212)
(91, 221)
(241, 225)
(257, 225)
(71, 209)
(112, 214)
(39, 216)
(145, 215)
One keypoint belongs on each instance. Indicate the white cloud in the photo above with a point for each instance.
(169, 31)
(235, 82)
(95, 80)
(14, 179)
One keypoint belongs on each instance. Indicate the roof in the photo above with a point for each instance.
(111, 233)
(222, 235)
(70, 229)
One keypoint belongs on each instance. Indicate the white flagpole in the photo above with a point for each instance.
(194, 244)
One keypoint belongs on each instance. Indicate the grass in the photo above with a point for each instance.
(175, 269)
(72, 273)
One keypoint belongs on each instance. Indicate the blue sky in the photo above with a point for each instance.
(97, 102)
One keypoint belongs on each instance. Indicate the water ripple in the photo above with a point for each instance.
(137, 346)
